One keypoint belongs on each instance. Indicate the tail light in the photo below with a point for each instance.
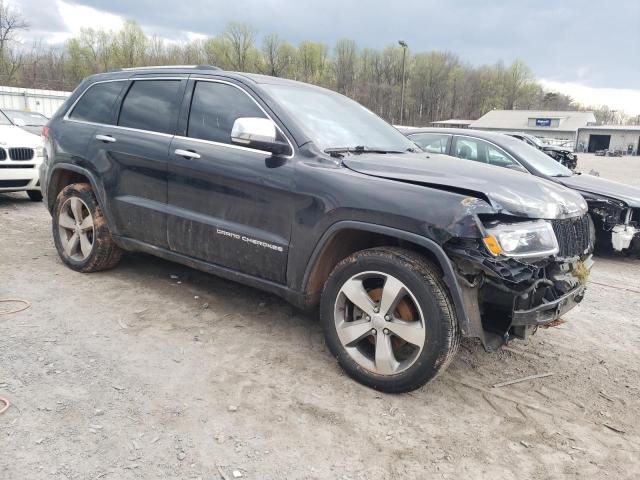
(45, 131)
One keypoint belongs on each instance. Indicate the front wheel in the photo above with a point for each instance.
(388, 318)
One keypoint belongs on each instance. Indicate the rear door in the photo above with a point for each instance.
(229, 205)
(133, 156)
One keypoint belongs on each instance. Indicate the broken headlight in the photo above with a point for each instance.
(523, 239)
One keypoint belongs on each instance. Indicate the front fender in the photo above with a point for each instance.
(469, 323)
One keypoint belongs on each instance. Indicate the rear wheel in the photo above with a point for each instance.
(80, 231)
(388, 319)
(35, 195)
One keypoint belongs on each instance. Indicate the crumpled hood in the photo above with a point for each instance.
(554, 148)
(12, 136)
(507, 191)
(600, 186)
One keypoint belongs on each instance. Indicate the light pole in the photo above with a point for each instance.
(404, 46)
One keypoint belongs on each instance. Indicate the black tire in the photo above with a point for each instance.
(424, 281)
(105, 254)
(35, 195)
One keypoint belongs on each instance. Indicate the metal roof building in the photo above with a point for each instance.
(32, 99)
(453, 123)
(550, 124)
(609, 137)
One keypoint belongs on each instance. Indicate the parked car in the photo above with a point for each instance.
(20, 159)
(609, 153)
(32, 122)
(562, 154)
(614, 207)
(302, 192)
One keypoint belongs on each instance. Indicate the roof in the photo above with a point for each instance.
(125, 73)
(520, 120)
(626, 128)
(453, 121)
(487, 135)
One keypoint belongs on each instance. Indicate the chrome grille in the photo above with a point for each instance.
(3, 154)
(574, 235)
(21, 153)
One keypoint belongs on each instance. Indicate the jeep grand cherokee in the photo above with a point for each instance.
(302, 192)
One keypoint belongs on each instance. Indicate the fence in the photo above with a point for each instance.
(32, 99)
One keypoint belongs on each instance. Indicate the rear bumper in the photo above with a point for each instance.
(550, 311)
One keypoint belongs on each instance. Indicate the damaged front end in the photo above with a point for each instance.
(616, 223)
(509, 292)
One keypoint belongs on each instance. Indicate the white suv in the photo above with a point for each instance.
(20, 159)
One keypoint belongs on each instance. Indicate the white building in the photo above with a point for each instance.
(609, 137)
(545, 124)
(32, 99)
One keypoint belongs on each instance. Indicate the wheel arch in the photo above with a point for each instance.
(64, 174)
(347, 237)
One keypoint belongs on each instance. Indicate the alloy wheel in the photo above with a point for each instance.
(379, 322)
(76, 229)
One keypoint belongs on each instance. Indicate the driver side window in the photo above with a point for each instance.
(499, 158)
(215, 107)
(467, 149)
(481, 151)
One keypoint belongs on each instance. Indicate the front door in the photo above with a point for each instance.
(228, 205)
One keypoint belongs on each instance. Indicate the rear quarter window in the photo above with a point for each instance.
(96, 104)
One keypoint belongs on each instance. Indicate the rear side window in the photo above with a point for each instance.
(151, 105)
(96, 105)
(214, 109)
(432, 142)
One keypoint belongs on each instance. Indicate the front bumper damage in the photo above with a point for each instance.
(616, 223)
(548, 312)
(507, 298)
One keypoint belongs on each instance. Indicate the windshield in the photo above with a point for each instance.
(332, 120)
(535, 140)
(28, 119)
(535, 158)
(4, 120)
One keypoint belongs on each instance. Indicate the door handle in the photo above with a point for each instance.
(186, 153)
(105, 138)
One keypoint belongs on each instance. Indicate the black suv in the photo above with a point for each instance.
(302, 192)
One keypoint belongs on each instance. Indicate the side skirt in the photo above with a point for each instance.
(291, 296)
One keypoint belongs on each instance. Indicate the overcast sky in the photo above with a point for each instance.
(589, 49)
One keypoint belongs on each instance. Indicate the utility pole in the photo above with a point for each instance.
(404, 46)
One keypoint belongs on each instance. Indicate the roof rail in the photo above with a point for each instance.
(152, 67)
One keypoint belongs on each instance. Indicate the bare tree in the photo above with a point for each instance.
(344, 65)
(241, 38)
(11, 57)
(278, 56)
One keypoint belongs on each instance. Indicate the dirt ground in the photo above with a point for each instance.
(153, 370)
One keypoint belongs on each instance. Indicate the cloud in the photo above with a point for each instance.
(570, 43)
(627, 100)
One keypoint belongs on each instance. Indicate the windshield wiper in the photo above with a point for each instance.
(340, 151)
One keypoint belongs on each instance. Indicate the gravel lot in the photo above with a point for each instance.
(154, 370)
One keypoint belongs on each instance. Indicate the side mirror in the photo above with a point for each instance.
(258, 133)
